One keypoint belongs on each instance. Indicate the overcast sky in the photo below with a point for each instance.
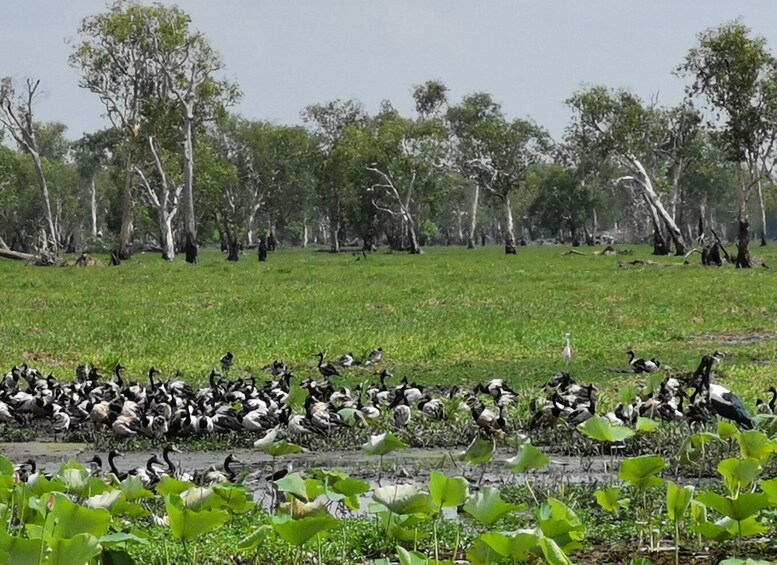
(530, 55)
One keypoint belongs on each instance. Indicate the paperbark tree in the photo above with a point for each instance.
(563, 201)
(139, 60)
(115, 63)
(328, 122)
(508, 151)
(618, 126)
(163, 196)
(94, 153)
(189, 68)
(735, 77)
(17, 119)
(465, 120)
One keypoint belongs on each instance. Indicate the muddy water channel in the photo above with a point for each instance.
(408, 466)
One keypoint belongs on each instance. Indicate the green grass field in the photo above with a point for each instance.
(448, 316)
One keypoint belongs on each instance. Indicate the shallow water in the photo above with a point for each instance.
(410, 465)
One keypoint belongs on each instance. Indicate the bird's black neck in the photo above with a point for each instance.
(166, 457)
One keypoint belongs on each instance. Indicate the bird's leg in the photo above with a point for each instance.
(453, 460)
(483, 473)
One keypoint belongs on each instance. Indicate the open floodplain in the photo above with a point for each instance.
(449, 318)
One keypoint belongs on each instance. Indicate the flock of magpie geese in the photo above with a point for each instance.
(168, 409)
(149, 474)
(667, 399)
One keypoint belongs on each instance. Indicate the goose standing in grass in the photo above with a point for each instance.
(298, 424)
(411, 392)
(494, 388)
(346, 360)
(486, 419)
(60, 420)
(545, 416)
(125, 426)
(375, 356)
(724, 402)
(369, 412)
(326, 369)
(639, 365)
(227, 361)
(401, 412)
(567, 348)
(762, 407)
(585, 410)
(432, 408)
(6, 416)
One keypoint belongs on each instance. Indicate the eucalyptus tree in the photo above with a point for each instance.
(188, 68)
(640, 140)
(682, 149)
(562, 201)
(408, 169)
(226, 182)
(14, 196)
(734, 77)
(506, 151)
(466, 120)
(162, 190)
(328, 123)
(16, 118)
(292, 157)
(93, 154)
(139, 58)
(65, 188)
(114, 59)
(707, 191)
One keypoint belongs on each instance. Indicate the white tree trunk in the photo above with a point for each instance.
(762, 209)
(415, 248)
(473, 217)
(127, 211)
(93, 204)
(166, 233)
(304, 231)
(509, 227)
(250, 226)
(644, 182)
(44, 188)
(189, 220)
(459, 225)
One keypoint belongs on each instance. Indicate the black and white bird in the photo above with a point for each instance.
(432, 408)
(216, 476)
(346, 360)
(639, 365)
(374, 357)
(768, 408)
(402, 414)
(227, 361)
(724, 402)
(585, 410)
(326, 369)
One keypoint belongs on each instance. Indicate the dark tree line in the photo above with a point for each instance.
(174, 169)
